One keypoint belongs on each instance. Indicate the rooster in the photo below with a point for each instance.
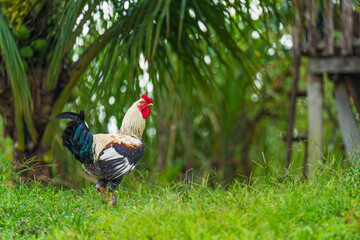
(108, 157)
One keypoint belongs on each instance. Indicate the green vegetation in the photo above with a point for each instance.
(266, 209)
(220, 74)
(218, 71)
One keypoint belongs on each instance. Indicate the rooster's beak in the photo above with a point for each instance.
(150, 104)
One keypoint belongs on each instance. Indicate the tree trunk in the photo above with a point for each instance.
(28, 163)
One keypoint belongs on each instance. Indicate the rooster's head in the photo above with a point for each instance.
(144, 105)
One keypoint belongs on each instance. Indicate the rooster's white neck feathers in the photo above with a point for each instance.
(133, 123)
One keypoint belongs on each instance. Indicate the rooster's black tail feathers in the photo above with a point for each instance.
(71, 115)
(76, 136)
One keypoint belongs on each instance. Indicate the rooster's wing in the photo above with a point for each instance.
(120, 156)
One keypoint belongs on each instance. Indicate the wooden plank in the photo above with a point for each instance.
(301, 93)
(315, 123)
(328, 27)
(356, 24)
(297, 139)
(347, 123)
(320, 48)
(311, 43)
(346, 27)
(335, 65)
(353, 86)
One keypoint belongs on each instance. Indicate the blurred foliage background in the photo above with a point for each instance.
(220, 74)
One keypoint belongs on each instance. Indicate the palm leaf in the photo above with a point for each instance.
(64, 36)
(15, 70)
(177, 54)
(181, 22)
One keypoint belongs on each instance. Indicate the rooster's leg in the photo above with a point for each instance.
(112, 186)
(101, 186)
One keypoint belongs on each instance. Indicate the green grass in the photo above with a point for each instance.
(267, 209)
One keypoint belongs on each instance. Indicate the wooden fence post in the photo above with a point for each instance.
(347, 123)
(315, 120)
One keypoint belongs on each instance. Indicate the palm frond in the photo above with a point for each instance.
(15, 70)
(78, 69)
(143, 29)
(169, 37)
(64, 35)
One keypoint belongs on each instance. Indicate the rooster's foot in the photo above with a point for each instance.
(102, 194)
(113, 201)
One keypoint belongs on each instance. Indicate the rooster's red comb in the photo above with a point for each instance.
(147, 99)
